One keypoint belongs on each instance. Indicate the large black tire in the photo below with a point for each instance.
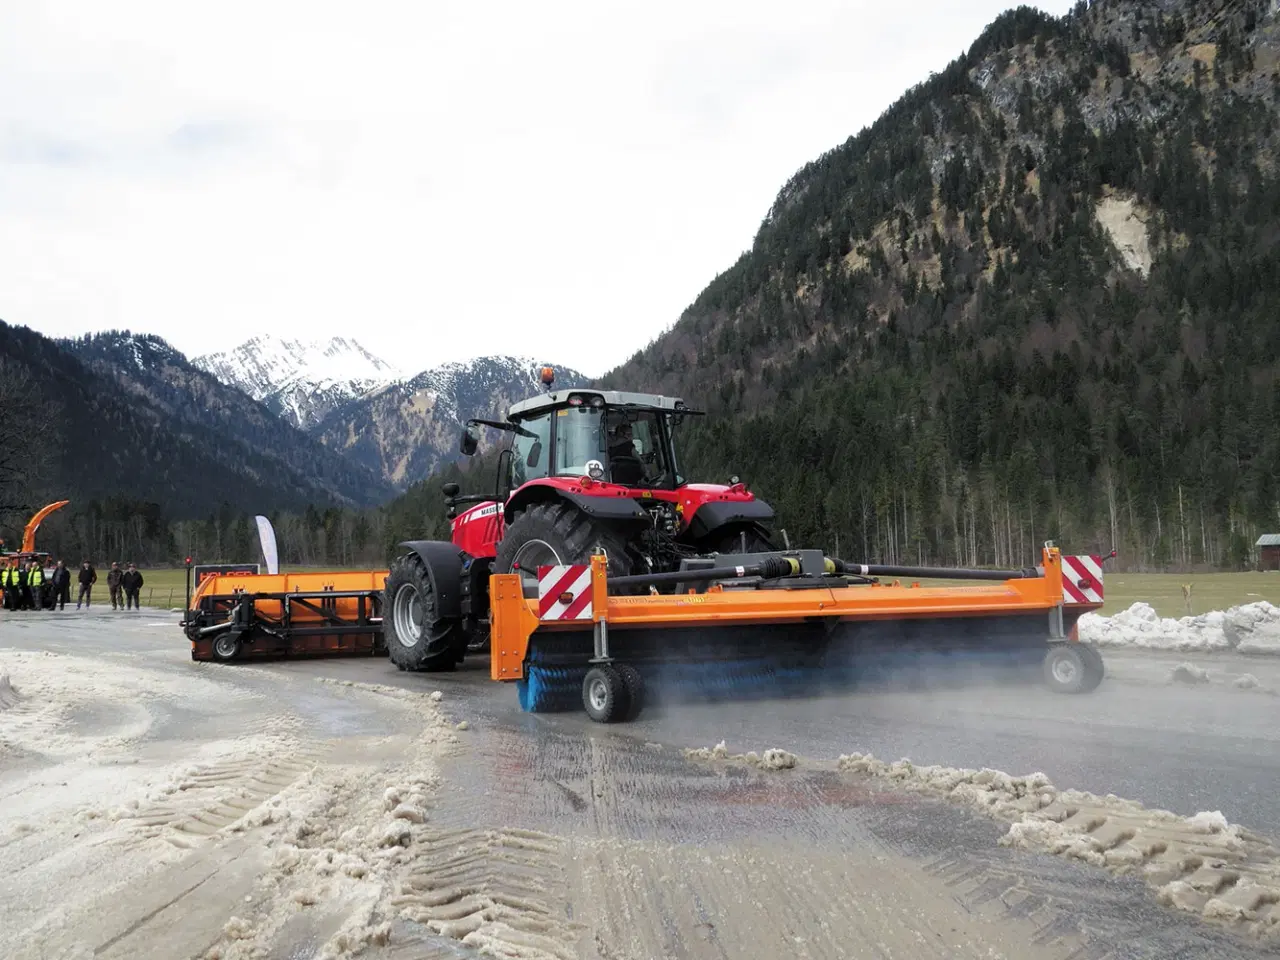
(414, 641)
(559, 533)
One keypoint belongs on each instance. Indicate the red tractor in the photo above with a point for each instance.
(583, 472)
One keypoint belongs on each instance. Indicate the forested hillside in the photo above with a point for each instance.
(1036, 299)
(130, 460)
(223, 419)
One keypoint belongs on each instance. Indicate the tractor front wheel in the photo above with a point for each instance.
(555, 534)
(414, 637)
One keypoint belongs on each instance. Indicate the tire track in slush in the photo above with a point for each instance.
(640, 854)
(707, 860)
(218, 796)
(499, 891)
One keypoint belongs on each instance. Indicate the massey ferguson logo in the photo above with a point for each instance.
(488, 511)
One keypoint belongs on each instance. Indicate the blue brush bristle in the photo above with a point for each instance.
(547, 689)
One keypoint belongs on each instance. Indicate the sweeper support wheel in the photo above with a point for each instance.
(1073, 668)
(604, 694)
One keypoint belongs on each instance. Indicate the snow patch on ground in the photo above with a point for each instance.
(8, 696)
(1188, 673)
(1202, 864)
(1252, 628)
(347, 836)
(771, 759)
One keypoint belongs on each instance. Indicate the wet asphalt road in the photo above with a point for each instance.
(1187, 749)
(1139, 736)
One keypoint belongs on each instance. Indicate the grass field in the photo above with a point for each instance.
(1210, 591)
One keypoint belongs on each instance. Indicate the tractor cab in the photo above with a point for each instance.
(610, 436)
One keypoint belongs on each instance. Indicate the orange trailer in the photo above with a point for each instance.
(234, 615)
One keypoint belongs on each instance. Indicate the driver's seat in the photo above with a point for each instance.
(627, 471)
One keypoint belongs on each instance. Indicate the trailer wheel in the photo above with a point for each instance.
(1067, 668)
(415, 641)
(604, 694)
(227, 646)
(634, 683)
(554, 533)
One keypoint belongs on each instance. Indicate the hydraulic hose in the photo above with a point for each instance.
(768, 569)
(947, 573)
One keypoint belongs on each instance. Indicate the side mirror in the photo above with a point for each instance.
(535, 454)
(470, 440)
(451, 490)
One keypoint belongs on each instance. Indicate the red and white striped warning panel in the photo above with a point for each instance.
(1082, 579)
(564, 592)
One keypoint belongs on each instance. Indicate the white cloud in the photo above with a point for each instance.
(438, 181)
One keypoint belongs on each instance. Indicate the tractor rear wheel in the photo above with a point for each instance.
(554, 534)
(415, 641)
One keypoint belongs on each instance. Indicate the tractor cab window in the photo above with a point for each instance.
(531, 450)
(577, 440)
(638, 452)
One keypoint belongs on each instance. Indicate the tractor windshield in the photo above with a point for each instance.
(632, 445)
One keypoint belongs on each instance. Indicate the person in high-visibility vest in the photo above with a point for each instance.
(35, 580)
(9, 581)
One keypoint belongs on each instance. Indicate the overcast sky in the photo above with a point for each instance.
(438, 181)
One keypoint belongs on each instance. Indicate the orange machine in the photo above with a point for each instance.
(233, 615)
(584, 634)
(29, 532)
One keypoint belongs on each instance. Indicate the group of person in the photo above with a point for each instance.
(29, 585)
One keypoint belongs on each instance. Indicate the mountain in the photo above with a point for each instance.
(301, 380)
(227, 425)
(78, 428)
(1034, 300)
(406, 429)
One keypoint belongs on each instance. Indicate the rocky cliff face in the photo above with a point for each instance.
(302, 381)
(407, 429)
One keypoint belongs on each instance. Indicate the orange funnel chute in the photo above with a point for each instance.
(29, 532)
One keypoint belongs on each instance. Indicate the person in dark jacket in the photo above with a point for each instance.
(132, 583)
(88, 577)
(113, 585)
(61, 585)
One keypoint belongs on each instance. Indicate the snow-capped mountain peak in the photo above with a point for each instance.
(302, 380)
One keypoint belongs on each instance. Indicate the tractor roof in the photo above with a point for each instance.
(612, 398)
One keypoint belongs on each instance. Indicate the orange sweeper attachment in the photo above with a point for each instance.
(236, 614)
(782, 623)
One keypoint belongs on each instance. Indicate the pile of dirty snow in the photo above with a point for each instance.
(1252, 628)
(1202, 864)
(772, 759)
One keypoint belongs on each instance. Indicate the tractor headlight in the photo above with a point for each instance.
(595, 469)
